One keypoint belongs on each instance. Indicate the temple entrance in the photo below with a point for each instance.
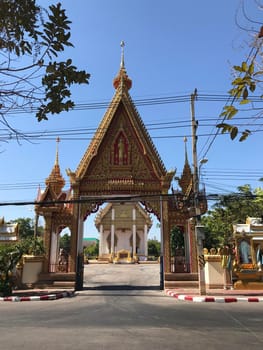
(123, 231)
(120, 165)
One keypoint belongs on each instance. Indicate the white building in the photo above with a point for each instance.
(123, 227)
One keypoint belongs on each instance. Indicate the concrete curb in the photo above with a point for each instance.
(213, 299)
(53, 296)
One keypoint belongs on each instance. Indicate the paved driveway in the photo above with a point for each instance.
(122, 276)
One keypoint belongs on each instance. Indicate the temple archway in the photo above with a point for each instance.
(121, 164)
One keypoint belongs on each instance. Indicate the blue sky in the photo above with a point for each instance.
(171, 48)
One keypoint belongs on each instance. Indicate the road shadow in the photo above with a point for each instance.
(122, 287)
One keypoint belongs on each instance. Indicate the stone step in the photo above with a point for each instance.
(181, 284)
(171, 276)
(55, 285)
(57, 276)
(64, 284)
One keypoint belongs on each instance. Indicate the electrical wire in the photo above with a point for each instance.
(128, 198)
(137, 102)
(85, 131)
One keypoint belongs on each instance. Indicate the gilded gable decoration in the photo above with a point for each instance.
(121, 154)
(121, 150)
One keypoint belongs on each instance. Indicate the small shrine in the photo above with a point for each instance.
(248, 239)
(8, 232)
(123, 229)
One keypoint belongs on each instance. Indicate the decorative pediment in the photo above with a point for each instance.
(121, 154)
(48, 195)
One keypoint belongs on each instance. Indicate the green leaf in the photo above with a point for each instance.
(233, 132)
(224, 127)
(238, 81)
(245, 93)
(228, 111)
(232, 113)
(252, 86)
(238, 68)
(243, 102)
(244, 136)
(244, 67)
(251, 69)
(50, 68)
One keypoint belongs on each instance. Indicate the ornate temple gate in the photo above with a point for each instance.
(120, 164)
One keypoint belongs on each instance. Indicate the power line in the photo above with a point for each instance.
(128, 198)
(78, 132)
(137, 102)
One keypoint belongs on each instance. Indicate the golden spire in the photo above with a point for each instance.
(55, 179)
(186, 178)
(122, 78)
(185, 149)
(56, 160)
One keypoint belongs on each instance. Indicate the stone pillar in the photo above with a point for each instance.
(145, 240)
(74, 232)
(47, 240)
(101, 245)
(166, 237)
(53, 252)
(80, 235)
(134, 231)
(112, 230)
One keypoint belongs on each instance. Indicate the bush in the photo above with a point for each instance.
(92, 251)
(10, 255)
(154, 248)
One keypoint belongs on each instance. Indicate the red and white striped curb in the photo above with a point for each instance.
(215, 299)
(54, 296)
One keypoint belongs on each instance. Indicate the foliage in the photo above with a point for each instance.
(154, 247)
(64, 242)
(92, 250)
(176, 239)
(32, 77)
(247, 77)
(25, 227)
(33, 246)
(229, 210)
(10, 255)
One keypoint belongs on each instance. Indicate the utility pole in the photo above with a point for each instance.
(199, 234)
(194, 149)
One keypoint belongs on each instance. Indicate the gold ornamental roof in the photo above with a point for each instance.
(122, 100)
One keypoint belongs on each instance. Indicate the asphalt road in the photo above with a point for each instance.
(126, 318)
